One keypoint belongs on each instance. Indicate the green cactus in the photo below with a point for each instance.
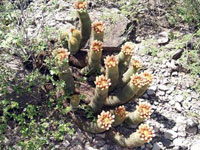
(125, 94)
(112, 72)
(94, 59)
(74, 41)
(142, 112)
(120, 115)
(64, 37)
(148, 80)
(124, 57)
(101, 92)
(133, 69)
(74, 102)
(97, 31)
(103, 123)
(61, 57)
(143, 135)
(84, 21)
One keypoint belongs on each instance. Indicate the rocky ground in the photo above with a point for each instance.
(175, 117)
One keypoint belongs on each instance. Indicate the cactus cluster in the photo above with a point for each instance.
(119, 82)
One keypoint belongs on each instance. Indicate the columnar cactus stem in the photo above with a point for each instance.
(142, 112)
(74, 102)
(74, 41)
(64, 37)
(101, 92)
(94, 58)
(133, 69)
(120, 115)
(124, 57)
(61, 57)
(122, 96)
(103, 123)
(143, 135)
(148, 80)
(84, 20)
(97, 31)
(112, 72)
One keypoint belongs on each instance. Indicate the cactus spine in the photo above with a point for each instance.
(84, 21)
(97, 31)
(61, 57)
(112, 72)
(101, 92)
(143, 135)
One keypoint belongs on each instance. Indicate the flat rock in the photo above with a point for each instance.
(177, 54)
(195, 146)
(156, 146)
(163, 38)
(163, 87)
(170, 134)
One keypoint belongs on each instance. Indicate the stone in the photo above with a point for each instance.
(170, 134)
(156, 146)
(163, 87)
(150, 92)
(171, 89)
(88, 147)
(179, 98)
(179, 141)
(177, 54)
(166, 142)
(175, 73)
(66, 143)
(105, 147)
(163, 38)
(160, 93)
(99, 142)
(145, 96)
(192, 130)
(195, 146)
(153, 88)
(178, 107)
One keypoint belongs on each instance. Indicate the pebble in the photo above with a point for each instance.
(195, 146)
(179, 98)
(156, 146)
(170, 134)
(163, 87)
(178, 107)
(179, 141)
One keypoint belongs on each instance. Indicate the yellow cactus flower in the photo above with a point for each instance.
(145, 132)
(138, 80)
(102, 82)
(80, 5)
(61, 54)
(148, 77)
(105, 120)
(128, 48)
(121, 111)
(110, 61)
(96, 46)
(98, 26)
(144, 110)
(136, 64)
